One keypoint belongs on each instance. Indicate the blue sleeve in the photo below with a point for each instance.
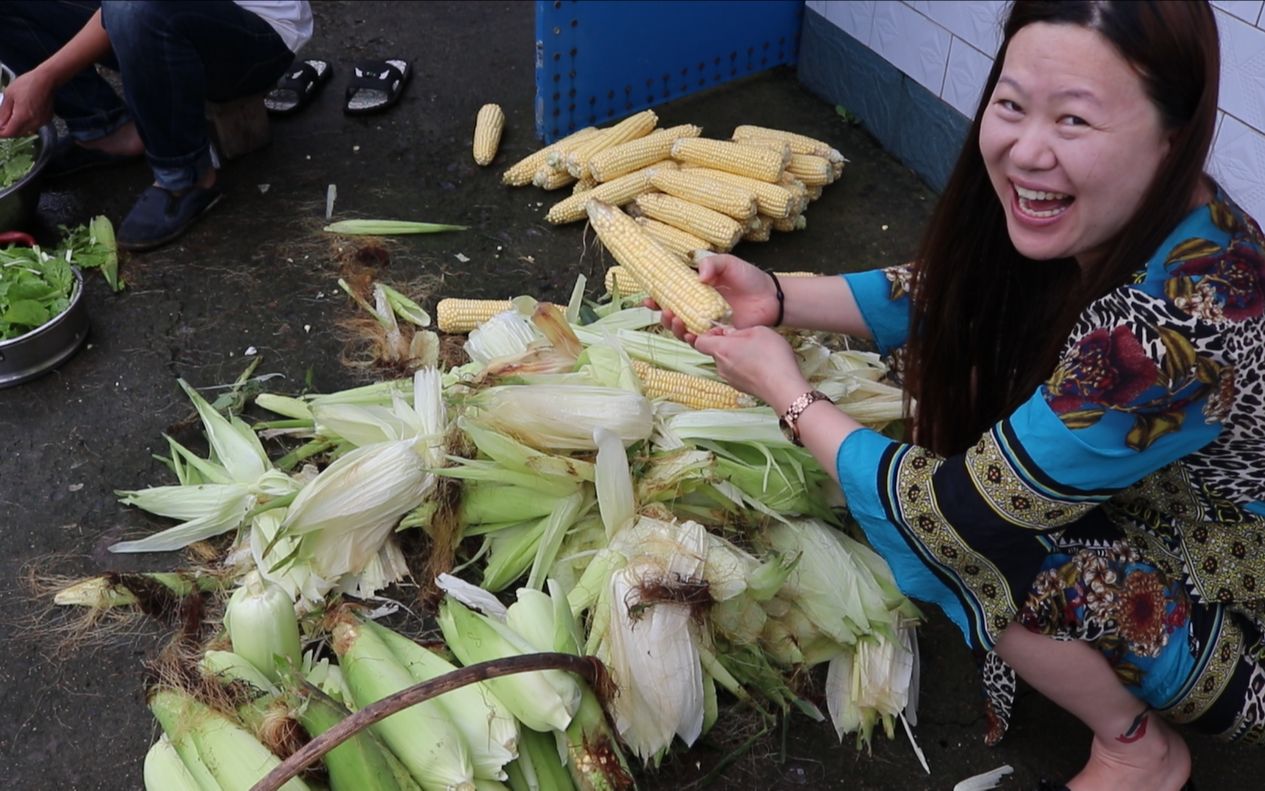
(883, 298)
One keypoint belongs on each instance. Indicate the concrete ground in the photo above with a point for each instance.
(257, 273)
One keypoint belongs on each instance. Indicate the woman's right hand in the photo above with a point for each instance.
(749, 290)
(27, 105)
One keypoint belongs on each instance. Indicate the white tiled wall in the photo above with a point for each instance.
(947, 46)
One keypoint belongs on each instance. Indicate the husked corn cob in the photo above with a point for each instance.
(814, 192)
(795, 222)
(620, 278)
(549, 179)
(692, 391)
(716, 229)
(618, 192)
(759, 229)
(583, 185)
(813, 171)
(631, 128)
(457, 315)
(762, 164)
(801, 144)
(521, 173)
(772, 200)
(796, 188)
(728, 199)
(674, 240)
(637, 154)
(488, 126)
(670, 282)
(837, 169)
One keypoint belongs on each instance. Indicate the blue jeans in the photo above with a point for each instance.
(173, 57)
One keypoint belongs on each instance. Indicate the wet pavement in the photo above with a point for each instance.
(257, 274)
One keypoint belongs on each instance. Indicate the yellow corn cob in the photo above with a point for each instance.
(728, 199)
(837, 169)
(759, 229)
(758, 163)
(796, 188)
(674, 240)
(801, 144)
(772, 200)
(520, 173)
(692, 391)
(631, 128)
(583, 185)
(670, 282)
(639, 153)
(716, 229)
(813, 171)
(618, 192)
(463, 315)
(794, 223)
(487, 133)
(549, 179)
(622, 279)
(814, 193)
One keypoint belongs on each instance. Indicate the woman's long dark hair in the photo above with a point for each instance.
(987, 323)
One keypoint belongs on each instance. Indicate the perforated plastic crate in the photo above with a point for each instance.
(599, 61)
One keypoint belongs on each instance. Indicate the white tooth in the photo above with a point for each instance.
(1038, 195)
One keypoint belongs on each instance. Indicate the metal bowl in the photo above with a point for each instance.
(19, 199)
(44, 348)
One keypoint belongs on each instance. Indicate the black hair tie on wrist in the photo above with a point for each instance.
(781, 300)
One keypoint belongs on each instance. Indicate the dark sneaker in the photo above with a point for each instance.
(160, 216)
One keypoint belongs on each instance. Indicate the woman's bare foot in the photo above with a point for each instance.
(1150, 756)
(124, 141)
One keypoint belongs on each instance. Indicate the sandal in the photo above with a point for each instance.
(375, 86)
(160, 216)
(297, 87)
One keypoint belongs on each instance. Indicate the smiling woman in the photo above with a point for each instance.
(1084, 339)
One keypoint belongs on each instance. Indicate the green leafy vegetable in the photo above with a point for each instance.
(17, 155)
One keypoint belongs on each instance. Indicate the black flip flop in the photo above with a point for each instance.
(376, 85)
(296, 87)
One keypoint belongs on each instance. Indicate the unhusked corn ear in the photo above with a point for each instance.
(692, 391)
(716, 229)
(794, 223)
(618, 192)
(758, 230)
(670, 282)
(772, 200)
(621, 279)
(631, 128)
(695, 187)
(758, 163)
(488, 126)
(549, 179)
(456, 315)
(637, 154)
(800, 144)
(813, 171)
(521, 173)
(674, 240)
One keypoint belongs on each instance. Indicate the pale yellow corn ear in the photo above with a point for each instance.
(617, 192)
(794, 223)
(637, 154)
(759, 229)
(762, 164)
(621, 279)
(721, 232)
(813, 171)
(631, 128)
(583, 185)
(772, 200)
(800, 144)
(694, 392)
(695, 187)
(814, 193)
(521, 173)
(456, 315)
(549, 179)
(669, 281)
(674, 240)
(837, 169)
(488, 126)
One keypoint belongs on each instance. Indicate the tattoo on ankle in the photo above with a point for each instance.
(1136, 730)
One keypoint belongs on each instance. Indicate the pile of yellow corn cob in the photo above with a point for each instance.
(687, 192)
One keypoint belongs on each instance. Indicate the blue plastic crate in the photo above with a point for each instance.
(598, 61)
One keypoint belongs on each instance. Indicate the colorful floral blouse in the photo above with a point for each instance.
(1154, 420)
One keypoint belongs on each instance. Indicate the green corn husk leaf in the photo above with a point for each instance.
(165, 771)
(388, 227)
(510, 553)
(406, 308)
(233, 443)
(514, 455)
(563, 417)
(295, 408)
(263, 627)
(358, 764)
(493, 503)
(564, 515)
(226, 667)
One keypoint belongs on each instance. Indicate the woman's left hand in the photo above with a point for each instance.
(756, 360)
